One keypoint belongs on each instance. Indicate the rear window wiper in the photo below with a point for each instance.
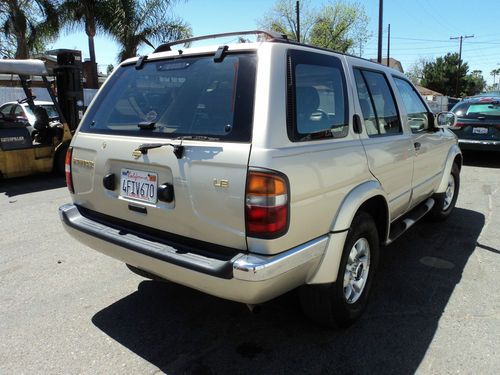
(178, 149)
(198, 138)
(147, 125)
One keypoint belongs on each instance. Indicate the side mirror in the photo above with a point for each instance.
(445, 120)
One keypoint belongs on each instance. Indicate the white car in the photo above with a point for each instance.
(22, 110)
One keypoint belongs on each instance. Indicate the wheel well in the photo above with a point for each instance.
(377, 208)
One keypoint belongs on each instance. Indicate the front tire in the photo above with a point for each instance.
(341, 303)
(445, 203)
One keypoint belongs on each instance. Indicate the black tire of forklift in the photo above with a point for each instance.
(60, 159)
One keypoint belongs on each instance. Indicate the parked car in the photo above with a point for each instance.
(247, 170)
(21, 111)
(478, 123)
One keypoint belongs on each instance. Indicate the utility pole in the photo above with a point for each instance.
(297, 10)
(461, 37)
(380, 14)
(388, 43)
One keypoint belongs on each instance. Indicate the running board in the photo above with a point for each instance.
(406, 222)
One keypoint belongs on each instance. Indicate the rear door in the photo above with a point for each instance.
(195, 106)
(388, 148)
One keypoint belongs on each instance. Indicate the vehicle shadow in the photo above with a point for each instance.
(30, 184)
(486, 159)
(182, 331)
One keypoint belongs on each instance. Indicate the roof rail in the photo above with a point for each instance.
(271, 34)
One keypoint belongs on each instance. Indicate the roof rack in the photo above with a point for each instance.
(271, 34)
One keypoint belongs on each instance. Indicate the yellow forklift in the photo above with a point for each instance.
(43, 149)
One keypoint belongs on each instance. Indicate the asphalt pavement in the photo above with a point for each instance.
(435, 307)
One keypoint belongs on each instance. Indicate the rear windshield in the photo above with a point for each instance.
(178, 98)
(489, 110)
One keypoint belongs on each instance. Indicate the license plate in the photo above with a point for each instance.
(139, 185)
(479, 130)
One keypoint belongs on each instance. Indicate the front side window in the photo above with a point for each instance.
(418, 116)
(191, 96)
(18, 111)
(317, 101)
(374, 85)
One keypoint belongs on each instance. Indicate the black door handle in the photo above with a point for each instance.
(417, 146)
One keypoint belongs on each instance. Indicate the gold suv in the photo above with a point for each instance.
(247, 170)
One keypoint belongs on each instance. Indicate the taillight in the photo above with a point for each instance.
(67, 170)
(457, 126)
(267, 204)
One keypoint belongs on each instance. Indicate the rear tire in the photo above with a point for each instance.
(445, 202)
(341, 303)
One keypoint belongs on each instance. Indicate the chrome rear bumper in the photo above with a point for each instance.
(244, 277)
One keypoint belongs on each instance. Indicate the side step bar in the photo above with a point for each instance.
(406, 222)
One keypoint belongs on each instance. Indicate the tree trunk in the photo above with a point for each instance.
(22, 47)
(94, 79)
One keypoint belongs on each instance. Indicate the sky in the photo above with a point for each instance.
(419, 28)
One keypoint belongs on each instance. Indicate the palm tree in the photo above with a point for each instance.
(494, 73)
(92, 15)
(27, 25)
(144, 22)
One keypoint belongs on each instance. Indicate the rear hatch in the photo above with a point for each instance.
(478, 120)
(193, 118)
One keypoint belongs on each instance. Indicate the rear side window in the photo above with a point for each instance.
(192, 96)
(317, 101)
(6, 110)
(377, 103)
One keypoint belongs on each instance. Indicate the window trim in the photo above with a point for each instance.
(293, 58)
(361, 69)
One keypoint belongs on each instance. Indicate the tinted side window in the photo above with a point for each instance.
(418, 119)
(317, 101)
(365, 101)
(6, 110)
(382, 102)
(18, 111)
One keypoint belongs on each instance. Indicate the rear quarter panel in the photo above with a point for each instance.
(321, 173)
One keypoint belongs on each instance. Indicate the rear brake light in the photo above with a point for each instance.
(67, 170)
(267, 204)
(458, 125)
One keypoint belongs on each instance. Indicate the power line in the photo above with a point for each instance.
(461, 38)
(437, 20)
(489, 42)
